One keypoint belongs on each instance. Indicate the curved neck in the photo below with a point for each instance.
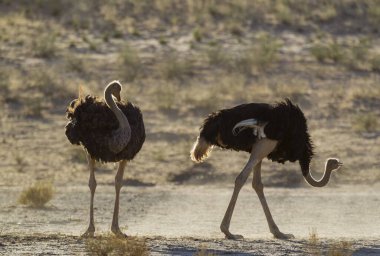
(123, 121)
(319, 183)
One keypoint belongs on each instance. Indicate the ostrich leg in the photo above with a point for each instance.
(259, 150)
(259, 188)
(92, 184)
(118, 184)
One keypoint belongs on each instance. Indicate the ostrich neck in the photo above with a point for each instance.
(319, 183)
(122, 119)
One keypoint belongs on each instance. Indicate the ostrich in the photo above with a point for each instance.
(279, 133)
(109, 132)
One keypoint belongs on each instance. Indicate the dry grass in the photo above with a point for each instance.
(44, 45)
(130, 63)
(37, 195)
(112, 245)
(20, 162)
(339, 248)
(75, 63)
(78, 155)
(176, 67)
(314, 246)
(204, 252)
(365, 123)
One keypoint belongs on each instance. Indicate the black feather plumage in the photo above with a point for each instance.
(91, 121)
(286, 123)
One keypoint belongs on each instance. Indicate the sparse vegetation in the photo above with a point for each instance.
(328, 52)
(176, 67)
(204, 252)
(112, 245)
(130, 63)
(37, 195)
(78, 155)
(75, 63)
(338, 248)
(166, 96)
(365, 122)
(44, 45)
(20, 162)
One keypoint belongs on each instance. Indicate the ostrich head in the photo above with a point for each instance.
(114, 88)
(333, 164)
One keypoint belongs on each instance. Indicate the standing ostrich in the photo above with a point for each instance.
(279, 133)
(109, 132)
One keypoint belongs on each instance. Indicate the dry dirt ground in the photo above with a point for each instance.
(181, 220)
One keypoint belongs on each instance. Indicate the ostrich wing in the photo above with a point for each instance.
(249, 123)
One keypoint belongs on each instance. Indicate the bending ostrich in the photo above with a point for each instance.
(279, 133)
(109, 132)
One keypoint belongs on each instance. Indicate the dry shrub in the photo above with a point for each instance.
(130, 61)
(314, 245)
(176, 67)
(166, 96)
(331, 51)
(365, 123)
(341, 248)
(37, 195)
(44, 45)
(75, 63)
(112, 245)
(204, 252)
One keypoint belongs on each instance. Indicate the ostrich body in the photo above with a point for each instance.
(109, 132)
(279, 133)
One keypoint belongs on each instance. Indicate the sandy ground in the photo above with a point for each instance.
(180, 220)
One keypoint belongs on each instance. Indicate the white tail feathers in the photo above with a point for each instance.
(201, 150)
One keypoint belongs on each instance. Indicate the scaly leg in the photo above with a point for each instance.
(118, 184)
(259, 150)
(259, 188)
(92, 184)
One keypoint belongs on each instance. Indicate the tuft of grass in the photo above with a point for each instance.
(44, 45)
(176, 68)
(313, 246)
(198, 34)
(341, 248)
(20, 163)
(78, 155)
(74, 63)
(216, 56)
(204, 252)
(331, 51)
(37, 195)
(4, 83)
(375, 63)
(259, 57)
(283, 13)
(166, 96)
(112, 245)
(33, 106)
(130, 63)
(365, 123)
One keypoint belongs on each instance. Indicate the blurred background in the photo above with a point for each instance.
(179, 61)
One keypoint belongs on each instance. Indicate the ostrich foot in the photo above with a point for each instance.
(234, 237)
(281, 235)
(89, 233)
(118, 233)
(228, 234)
(231, 236)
